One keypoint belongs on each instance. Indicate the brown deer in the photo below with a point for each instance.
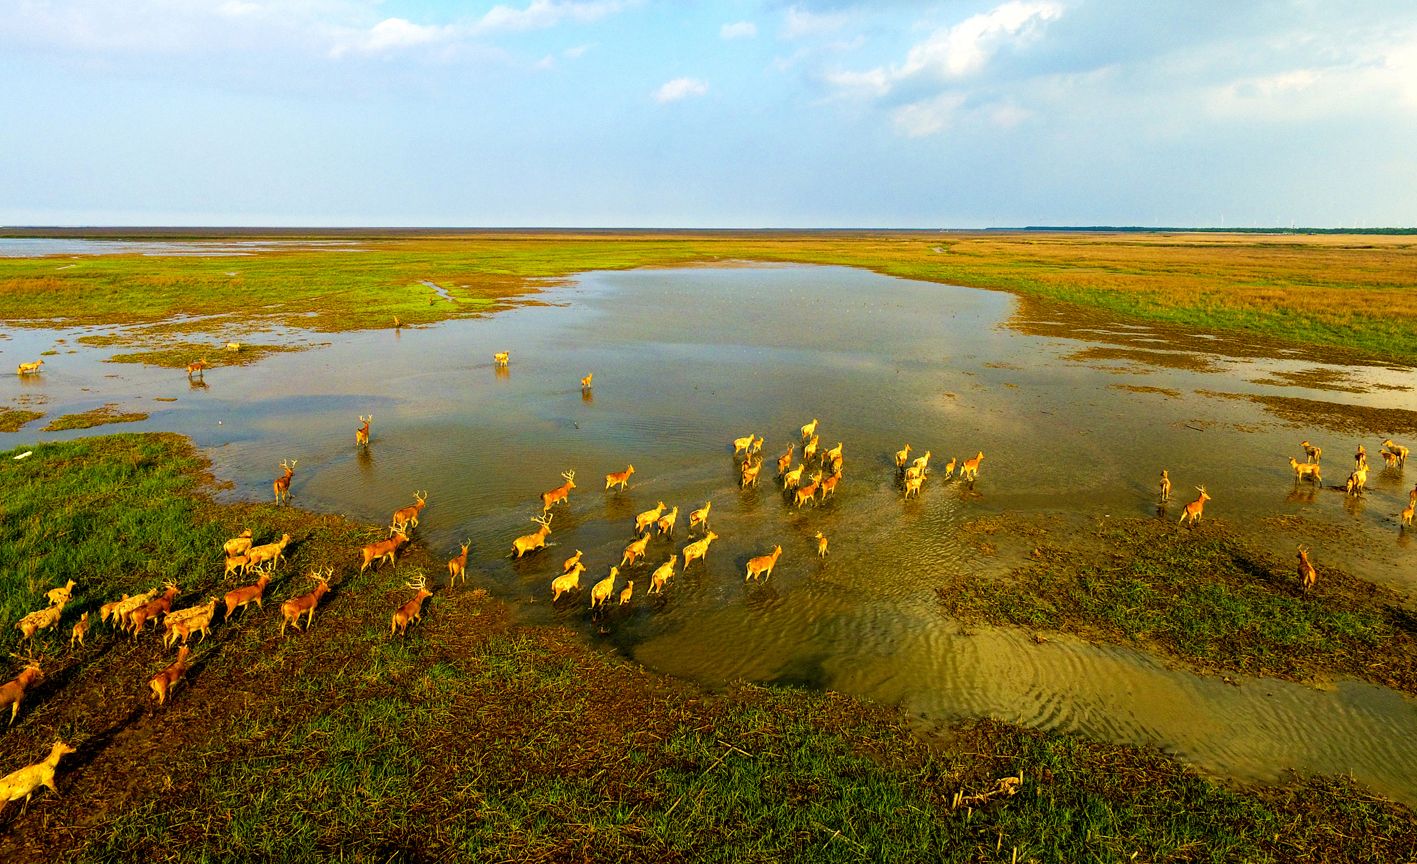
(829, 484)
(237, 564)
(181, 625)
(601, 591)
(784, 461)
(1165, 485)
(700, 517)
(571, 562)
(361, 435)
(163, 682)
(153, 609)
(238, 544)
(561, 494)
(901, 456)
(831, 455)
(81, 627)
(970, 470)
(662, 574)
(1312, 453)
(585, 382)
(1396, 450)
(406, 518)
(763, 564)
(665, 524)
(412, 610)
(501, 359)
(382, 550)
(267, 553)
(1192, 511)
(282, 483)
(792, 479)
(627, 593)
(29, 368)
(23, 783)
(750, 472)
(118, 610)
(646, 520)
(1407, 515)
(305, 604)
(698, 550)
(634, 551)
(1307, 574)
(458, 566)
(821, 545)
(240, 598)
(1306, 470)
(809, 492)
(534, 541)
(619, 478)
(809, 429)
(197, 368)
(60, 596)
(569, 581)
(13, 692)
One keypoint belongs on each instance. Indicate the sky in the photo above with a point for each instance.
(699, 114)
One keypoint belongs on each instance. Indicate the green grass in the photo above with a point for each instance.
(13, 419)
(476, 738)
(1203, 597)
(100, 416)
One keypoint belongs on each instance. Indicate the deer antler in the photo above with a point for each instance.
(569, 475)
(544, 520)
(420, 585)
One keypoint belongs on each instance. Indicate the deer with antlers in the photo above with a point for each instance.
(568, 581)
(698, 550)
(361, 435)
(1306, 470)
(699, 518)
(1307, 575)
(281, 485)
(665, 523)
(181, 625)
(1192, 511)
(382, 550)
(119, 610)
(646, 520)
(661, 575)
(163, 682)
(13, 692)
(405, 519)
(809, 492)
(240, 598)
(197, 368)
(305, 604)
(763, 564)
(534, 541)
(457, 566)
(238, 544)
(411, 611)
(23, 783)
(619, 478)
(829, 484)
(561, 494)
(29, 368)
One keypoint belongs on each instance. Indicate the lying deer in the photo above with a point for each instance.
(361, 435)
(282, 483)
(406, 518)
(501, 358)
(698, 550)
(305, 604)
(634, 550)
(1312, 453)
(784, 461)
(81, 627)
(60, 596)
(29, 368)
(163, 682)
(1192, 511)
(699, 518)
(665, 524)
(23, 783)
(585, 382)
(809, 429)
(901, 456)
(197, 368)
(13, 692)
(1306, 470)
(412, 610)
(644, 521)
(240, 598)
(821, 545)
(619, 478)
(569, 581)
(181, 625)
(661, 575)
(809, 492)
(457, 566)
(763, 564)
(382, 550)
(750, 473)
(1165, 485)
(1307, 574)
(561, 494)
(600, 592)
(1397, 450)
(238, 544)
(534, 541)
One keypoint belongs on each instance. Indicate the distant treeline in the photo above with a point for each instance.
(1141, 229)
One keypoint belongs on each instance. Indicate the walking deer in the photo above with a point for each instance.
(741, 445)
(411, 611)
(569, 581)
(240, 598)
(163, 682)
(238, 544)
(571, 562)
(181, 625)
(1396, 450)
(627, 593)
(197, 368)
(698, 550)
(23, 783)
(406, 518)
(809, 450)
(13, 692)
(305, 604)
(1165, 485)
(901, 456)
(829, 484)
(561, 494)
(699, 517)
(970, 469)
(534, 541)
(600, 592)
(821, 545)
(268, 552)
(1306, 470)
(763, 564)
(784, 461)
(634, 551)
(750, 472)
(1312, 453)
(1192, 511)
(457, 566)
(81, 627)
(665, 524)
(585, 382)
(282, 483)
(382, 550)
(792, 479)
(809, 492)
(644, 521)
(661, 575)
(501, 359)
(619, 478)
(809, 429)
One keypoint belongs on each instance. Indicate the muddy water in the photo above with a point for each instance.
(686, 360)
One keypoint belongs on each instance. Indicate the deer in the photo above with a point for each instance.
(59, 596)
(662, 574)
(23, 783)
(40, 620)
(382, 550)
(405, 519)
(1307, 574)
(163, 682)
(901, 456)
(831, 455)
(784, 461)
(665, 524)
(118, 610)
(1360, 458)
(700, 517)
(763, 564)
(561, 494)
(536, 540)
(267, 553)
(809, 492)
(600, 592)
(1390, 460)
(829, 484)
(13, 692)
(923, 462)
(240, 598)
(233, 346)
(282, 483)
(457, 566)
(412, 610)
(29, 368)
(1192, 511)
(970, 469)
(305, 604)
(197, 368)
(913, 484)
(1166, 485)
(792, 479)
(809, 450)
(568, 581)
(501, 359)
(398, 325)
(634, 551)
(1357, 481)
(619, 478)
(236, 563)
(585, 382)
(1306, 470)
(152, 609)
(361, 435)
(81, 627)
(646, 520)
(238, 544)
(698, 549)
(809, 429)
(1407, 514)
(741, 445)
(571, 562)
(183, 624)
(627, 593)
(821, 545)
(1397, 450)
(1312, 453)
(750, 472)
(756, 447)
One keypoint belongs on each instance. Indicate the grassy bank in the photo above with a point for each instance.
(100, 416)
(1348, 295)
(1203, 597)
(476, 738)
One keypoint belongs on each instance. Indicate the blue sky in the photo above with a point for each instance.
(741, 113)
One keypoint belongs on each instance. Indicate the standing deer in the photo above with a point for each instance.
(1396, 450)
(81, 627)
(13, 692)
(1192, 511)
(571, 562)
(181, 625)
(821, 545)
(809, 492)
(750, 473)
(412, 610)
(268, 552)
(457, 566)
(282, 483)
(501, 359)
(665, 524)
(361, 435)
(61, 595)
(619, 478)
(763, 564)
(197, 368)
(238, 544)
(561, 494)
(901, 456)
(305, 604)
(163, 682)
(537, 540)
(829, 484)
(831, 455)
(792, 479)
(1312, 453)
(1165, 485)
(382, 550)
(700, 517)
(970, 470)
(1307, 574)
(585, 382)
(1360, 458)
(741, 445)
(809, 429)
(29, 368)
(809, 450)
(661, 575)
(240, 598)
(1306, 470)
(698, 550)
(152, 609)
(406, 518)
(784, 461)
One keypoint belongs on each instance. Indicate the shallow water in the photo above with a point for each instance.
(42, 247)
(686, 360)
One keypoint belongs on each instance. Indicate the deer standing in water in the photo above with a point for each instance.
(1396, 450)
(561, 494)
(406, 518)
(571, 562)
(901, 456)
(29, 368)
(569, 581)
(1192, 511)
(412, 610)
(457, 566)
(361, 435)
(501, 359)
(698, 549)
(750, 472)
(970, 470)
(741, 445)
(282, 483)
(619, 478)
(585, 382)
(1306, 470)
(699, 517)
(197, 368)
(534, 541)
(792, 479)
(1307, 574)
(809, 492)
(1312, 453)
(305, 604)
(763, 564)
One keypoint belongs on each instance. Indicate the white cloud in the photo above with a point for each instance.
(738, 30)
(680, 88)
(575, 52)
(393, 34)
(928, 116)
(799, 22)
(1384, 78)
(541, 14)
(964, 49)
